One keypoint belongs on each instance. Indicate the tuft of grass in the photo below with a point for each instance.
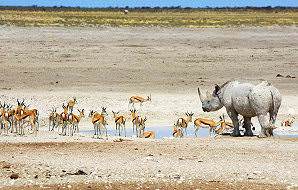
(165, 18)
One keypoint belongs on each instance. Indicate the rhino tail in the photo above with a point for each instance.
(276, 102)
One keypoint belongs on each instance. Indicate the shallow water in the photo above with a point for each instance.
(160, 132)
(166, 131)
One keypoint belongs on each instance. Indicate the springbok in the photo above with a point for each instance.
(53, 119)
(141, 126)
(71, 103)
(64, 119)
(34, 112)
(5, 114)
(134, 119)
(224, 125)
(204, 122)
(138, 99)
(29, 118)
(120, 122)
(177, 131)
(149, 134)
(98, 120)
(25, 116)
(288, 122)
(183, 122)
(18, 111)
(74, 121)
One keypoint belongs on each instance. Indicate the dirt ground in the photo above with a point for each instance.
(223, 161)
(105, 66)
(144, 60)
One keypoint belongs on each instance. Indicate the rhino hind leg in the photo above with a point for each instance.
(265, 126)
(269, 132)
(247, 126)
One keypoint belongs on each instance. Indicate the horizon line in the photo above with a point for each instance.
(149, 7)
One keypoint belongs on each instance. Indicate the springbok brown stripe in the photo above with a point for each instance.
(117, 119)
(139, 99)
(205, 123)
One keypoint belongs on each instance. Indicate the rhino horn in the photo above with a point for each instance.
(200, 95)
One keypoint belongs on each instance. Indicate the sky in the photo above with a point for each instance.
(151, 3)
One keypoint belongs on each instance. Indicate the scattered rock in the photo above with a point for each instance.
(118, 140)
(14, 176)
(181, 158)
(289, 76)
(6, 166)
(200, 160)
(149, 158)
(80, 172)
(214, 181)
(150, 154)
(136, 149)
(176, 176)
(36, 177)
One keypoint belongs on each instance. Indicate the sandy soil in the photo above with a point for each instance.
(223, 160)
(105, 66)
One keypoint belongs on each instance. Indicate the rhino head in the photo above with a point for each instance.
(211, 102)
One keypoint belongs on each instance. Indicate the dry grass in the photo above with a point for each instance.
(166, 18)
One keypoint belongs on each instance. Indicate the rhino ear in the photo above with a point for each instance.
(216, 90)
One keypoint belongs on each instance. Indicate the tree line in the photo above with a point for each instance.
(145, 8)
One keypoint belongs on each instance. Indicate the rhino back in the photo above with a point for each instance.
(240, 101)
(261, 99)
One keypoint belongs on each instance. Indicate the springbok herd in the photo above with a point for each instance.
(17, 119)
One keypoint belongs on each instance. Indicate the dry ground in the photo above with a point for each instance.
(224, 162)
(104, 66)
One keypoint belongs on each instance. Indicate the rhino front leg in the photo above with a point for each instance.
(234, 117)
(247, 126)
(264, 122)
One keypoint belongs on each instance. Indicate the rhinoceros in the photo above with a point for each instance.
(248, 100)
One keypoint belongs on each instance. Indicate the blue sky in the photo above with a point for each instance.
(151, 3)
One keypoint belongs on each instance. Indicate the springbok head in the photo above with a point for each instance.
(91, 113)
(115, 113)
(189, 115)
(104, 111)
(82, 114)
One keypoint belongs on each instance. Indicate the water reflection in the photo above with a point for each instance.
(160, 131)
